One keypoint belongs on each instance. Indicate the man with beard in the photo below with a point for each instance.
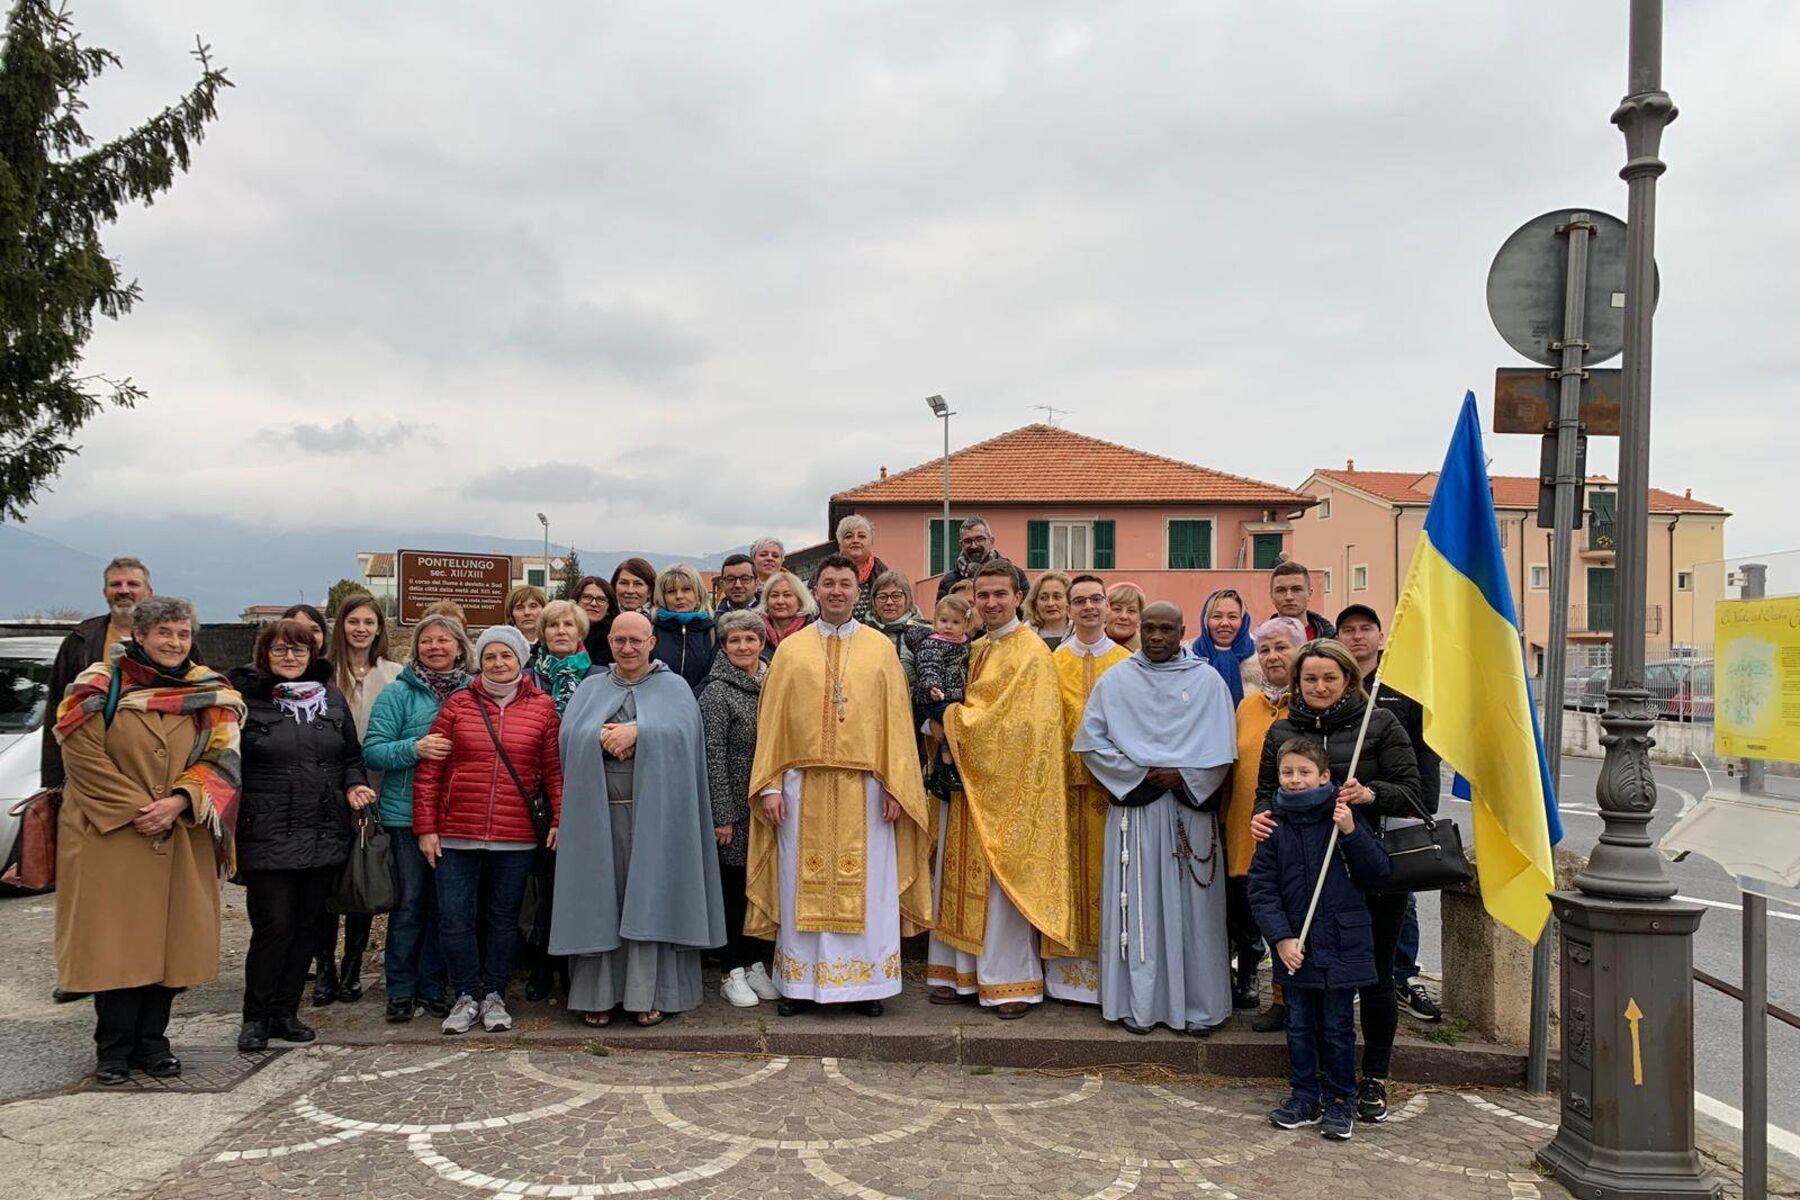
(1159, 736)
(977, 541)
(124, 583)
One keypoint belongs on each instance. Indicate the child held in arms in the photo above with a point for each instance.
(1320, 978)
(941, 666)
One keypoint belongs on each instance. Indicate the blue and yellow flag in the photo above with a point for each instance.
(1454, 647)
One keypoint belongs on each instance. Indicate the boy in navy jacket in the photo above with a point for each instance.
(1322, 978)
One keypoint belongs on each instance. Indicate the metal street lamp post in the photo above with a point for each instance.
(545, 522)
(942, 410)
(1627, 1125)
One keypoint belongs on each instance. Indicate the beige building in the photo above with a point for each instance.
(1360, 536)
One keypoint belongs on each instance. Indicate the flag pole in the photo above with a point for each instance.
(1331, 844)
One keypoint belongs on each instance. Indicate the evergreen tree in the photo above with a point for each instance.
(569, 576)
(57, 189)
(339, 592)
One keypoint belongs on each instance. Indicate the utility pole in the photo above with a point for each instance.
(1627, 1128)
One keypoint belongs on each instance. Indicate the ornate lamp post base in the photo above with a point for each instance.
(1627, 1128)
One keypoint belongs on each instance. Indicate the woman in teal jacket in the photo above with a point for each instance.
(399, 738)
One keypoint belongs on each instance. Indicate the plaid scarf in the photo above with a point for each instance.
(213, 772)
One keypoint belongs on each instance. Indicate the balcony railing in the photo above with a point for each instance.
(1600, 618)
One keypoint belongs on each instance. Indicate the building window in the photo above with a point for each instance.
(534, 576)
(1324, 509)
(1326, 576)
(1604, 507)
(1359, 579)
(1505, 534)
(1540, 577)
(1059, 545)
(934, 537)
(1265, 551)
(1684, 581)
(1190, 545)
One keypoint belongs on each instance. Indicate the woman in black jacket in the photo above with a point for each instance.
(303, 774)
(683, 620)
(1328, 703)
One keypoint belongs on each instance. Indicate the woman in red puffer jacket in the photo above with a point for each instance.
(474, 822)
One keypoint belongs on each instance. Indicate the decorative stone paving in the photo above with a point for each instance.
(415, 1122)
(203, 1069)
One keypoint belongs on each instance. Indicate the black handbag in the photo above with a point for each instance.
(367, 884)
(538, 805)
(1424, 858)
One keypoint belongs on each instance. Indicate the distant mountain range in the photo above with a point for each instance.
(224, 566)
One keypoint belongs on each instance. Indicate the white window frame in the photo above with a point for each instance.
(1684, 581)
(1324, 509)
(1325, 580)
(1359, 571)
(1068, 529)
(1540, 577)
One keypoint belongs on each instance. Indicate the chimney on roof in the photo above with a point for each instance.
(1349, 464)
(884, 472)
(1688, 494)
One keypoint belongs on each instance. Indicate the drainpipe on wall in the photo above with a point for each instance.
(1674, 522)
(1397, 511)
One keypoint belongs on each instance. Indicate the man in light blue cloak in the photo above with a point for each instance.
(637, 868)
(1159, 734)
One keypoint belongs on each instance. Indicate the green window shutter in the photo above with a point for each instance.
(1190, 545)
(935, 533)
(1103, 545)
(1037, 545)
(1265, 551)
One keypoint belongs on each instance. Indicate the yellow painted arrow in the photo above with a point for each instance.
(1634, 1014)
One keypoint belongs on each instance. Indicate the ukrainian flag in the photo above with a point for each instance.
(1454, 647)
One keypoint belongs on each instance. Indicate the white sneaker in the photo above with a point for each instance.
(462, 1015)
(494, 1017)
(737, 989)
(760, 983)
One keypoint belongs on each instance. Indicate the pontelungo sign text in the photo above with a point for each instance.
(478, 582)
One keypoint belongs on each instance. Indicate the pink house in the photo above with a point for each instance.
(1060, 500)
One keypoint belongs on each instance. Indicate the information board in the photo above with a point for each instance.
(478, 582)
(1757, 679)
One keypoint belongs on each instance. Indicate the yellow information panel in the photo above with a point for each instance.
(1757, 678)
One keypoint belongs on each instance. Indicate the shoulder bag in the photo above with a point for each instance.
(367, 883)
(538, 804)
(1427, 857)
(35, 871)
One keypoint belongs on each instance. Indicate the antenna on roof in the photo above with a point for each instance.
(1051, 412)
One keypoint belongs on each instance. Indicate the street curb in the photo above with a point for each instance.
(1228, 1053)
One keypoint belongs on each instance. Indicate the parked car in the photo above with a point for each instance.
(1681, 689)
(24, 711)
(1592, 696)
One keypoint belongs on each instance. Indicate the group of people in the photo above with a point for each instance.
(1067, 789)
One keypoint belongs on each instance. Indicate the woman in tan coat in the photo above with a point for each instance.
(150, 746)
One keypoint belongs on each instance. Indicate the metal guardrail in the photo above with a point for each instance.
(1737, 993)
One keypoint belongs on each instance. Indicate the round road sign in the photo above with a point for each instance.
(1525, 287)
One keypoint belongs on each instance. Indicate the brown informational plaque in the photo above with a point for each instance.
(478, 582)
(1525, 400)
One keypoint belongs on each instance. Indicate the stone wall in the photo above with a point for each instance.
(1487, 967)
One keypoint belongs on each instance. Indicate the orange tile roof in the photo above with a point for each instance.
(1510, 491)
(1042, 464)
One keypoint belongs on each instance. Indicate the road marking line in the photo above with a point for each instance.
(1783, 1140)
(1785, 916)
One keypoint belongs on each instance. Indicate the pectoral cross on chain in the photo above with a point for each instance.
(838, 697)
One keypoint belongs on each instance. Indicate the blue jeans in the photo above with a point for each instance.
(1406, 954)
(1321, 1040)
(413, 964)
(493, 883)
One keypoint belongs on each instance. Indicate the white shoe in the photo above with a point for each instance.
(760, 983)
(462, 1015)
(494, 1017)
(737, 989)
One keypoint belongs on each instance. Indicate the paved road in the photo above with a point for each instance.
(1718, 1020)
(409, 1123)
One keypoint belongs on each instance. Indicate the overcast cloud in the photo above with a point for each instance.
(675, 272)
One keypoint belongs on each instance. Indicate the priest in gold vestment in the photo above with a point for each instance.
(1072, 972)
(1003, 863)
(839, 859)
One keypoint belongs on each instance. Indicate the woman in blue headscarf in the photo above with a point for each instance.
(1225, 642)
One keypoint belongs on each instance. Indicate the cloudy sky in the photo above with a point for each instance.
(675, 272)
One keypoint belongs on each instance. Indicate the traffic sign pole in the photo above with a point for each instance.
(1566, 430)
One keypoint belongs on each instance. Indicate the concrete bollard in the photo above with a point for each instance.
(1487, 967)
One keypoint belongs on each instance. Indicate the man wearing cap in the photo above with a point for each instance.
(1359, 628)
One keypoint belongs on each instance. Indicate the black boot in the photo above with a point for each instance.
(1243, 985)
(350, 986)
(253, 1036)
(325, 989)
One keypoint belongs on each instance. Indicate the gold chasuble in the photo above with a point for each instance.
(1011, 818)
(834, 708)
(1087, 801)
